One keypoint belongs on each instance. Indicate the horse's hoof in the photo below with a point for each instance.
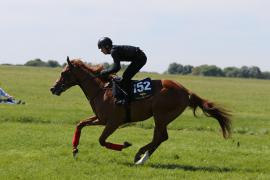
(137, 157)
(75, 153)
(143, 159)
(127, 144)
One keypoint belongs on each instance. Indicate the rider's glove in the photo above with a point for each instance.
(102, 74)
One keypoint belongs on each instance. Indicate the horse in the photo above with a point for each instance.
(168, 101)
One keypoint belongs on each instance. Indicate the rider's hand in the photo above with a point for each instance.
(102, 74)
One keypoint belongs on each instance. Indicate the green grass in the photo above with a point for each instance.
(35, 139)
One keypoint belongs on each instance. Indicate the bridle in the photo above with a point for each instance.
(88, 76)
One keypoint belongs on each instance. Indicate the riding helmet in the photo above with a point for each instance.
(104, 42)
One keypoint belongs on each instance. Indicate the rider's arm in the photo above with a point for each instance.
(113, 69)
(115, 66)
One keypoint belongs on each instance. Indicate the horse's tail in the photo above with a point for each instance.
(210, 109)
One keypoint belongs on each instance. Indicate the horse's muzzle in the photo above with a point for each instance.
(55, 91)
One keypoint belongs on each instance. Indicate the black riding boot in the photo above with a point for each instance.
(119, 92)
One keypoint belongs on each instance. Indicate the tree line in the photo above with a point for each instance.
(212, 70)
(39, 63)
(175, 68)
(52, 63)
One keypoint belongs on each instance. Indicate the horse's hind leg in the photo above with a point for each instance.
(162, 119)
(160, 135)
(163, 136)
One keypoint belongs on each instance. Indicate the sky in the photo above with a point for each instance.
(189, 32)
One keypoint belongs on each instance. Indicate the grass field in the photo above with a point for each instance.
(35, 138)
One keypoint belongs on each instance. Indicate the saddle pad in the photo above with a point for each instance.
(142, 89)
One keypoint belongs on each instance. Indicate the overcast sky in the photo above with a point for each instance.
(215, 32)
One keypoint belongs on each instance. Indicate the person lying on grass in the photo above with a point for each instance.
(7, 99)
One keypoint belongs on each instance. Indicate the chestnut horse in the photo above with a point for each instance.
(169, 100)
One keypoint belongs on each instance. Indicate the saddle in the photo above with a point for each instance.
(137, 90)
(141, 89)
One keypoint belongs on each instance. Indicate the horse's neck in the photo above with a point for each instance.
(91, 88)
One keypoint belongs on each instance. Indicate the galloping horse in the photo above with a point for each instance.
(169, 100)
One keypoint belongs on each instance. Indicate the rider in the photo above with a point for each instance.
(122, 53)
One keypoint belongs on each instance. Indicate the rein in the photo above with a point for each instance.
(89, 76)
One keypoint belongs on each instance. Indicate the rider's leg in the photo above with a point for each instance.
(131, 70)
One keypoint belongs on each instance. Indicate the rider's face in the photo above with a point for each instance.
(105, 50)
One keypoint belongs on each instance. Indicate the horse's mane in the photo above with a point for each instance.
(95, 69)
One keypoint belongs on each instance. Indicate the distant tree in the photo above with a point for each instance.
(180, 69)
(187, 69)
(265, 75)
(254, 72)
(52, 63)
(231, 71)
(36, 62)
(175, 68)
(196, 71)
(244, 72)
(207, 70)
(212, 70)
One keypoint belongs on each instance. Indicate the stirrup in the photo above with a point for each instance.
(120, 89)
(121, 102)
(108, 85)
(117, 79)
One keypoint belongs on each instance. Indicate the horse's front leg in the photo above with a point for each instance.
(109, 129)
(76, 138)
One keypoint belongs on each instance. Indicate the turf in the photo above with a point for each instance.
(36, 137)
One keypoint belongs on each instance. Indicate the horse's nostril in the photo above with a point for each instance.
(52, 89)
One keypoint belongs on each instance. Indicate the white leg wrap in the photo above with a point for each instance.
(143, 159)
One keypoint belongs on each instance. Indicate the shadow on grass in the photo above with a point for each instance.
(192, 168)
(26, 120)
(186, 167)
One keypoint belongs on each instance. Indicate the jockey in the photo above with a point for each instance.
(122, 53)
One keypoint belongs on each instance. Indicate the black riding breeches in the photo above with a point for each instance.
(132, 69)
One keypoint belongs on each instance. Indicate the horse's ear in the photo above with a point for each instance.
(69, 63)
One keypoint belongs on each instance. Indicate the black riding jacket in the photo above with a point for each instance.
(123, 53)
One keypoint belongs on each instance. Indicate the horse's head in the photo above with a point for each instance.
(66, 80)
(77, 72)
